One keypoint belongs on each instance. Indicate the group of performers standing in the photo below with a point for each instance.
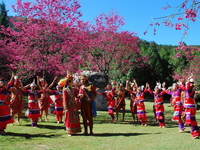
(71, 97)
(182, 100)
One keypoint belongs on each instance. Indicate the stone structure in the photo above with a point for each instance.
(99, 80)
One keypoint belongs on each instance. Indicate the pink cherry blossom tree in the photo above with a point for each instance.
(48, 37)
(192, 56)
(109, 48)
(45, 37)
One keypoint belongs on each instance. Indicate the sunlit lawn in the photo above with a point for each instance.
(119, 135)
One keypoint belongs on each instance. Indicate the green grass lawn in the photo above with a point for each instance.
(119, 135)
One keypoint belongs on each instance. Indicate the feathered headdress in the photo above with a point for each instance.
(64, 80)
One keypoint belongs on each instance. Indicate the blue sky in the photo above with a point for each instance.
(137, 15)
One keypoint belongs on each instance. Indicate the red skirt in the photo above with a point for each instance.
(190, 116)
(16, 105)
(72, 121)
(5, 117)
(45, 102)
(33, 110)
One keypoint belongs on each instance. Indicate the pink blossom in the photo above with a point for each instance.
(183, 5)
(190, 13)
(178, 26)
(180, 18)
(178, 55)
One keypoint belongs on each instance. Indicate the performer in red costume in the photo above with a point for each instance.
(5, 117)
(139, 102)
(110, 93)
(45, 99)
(33, 106)
(120, 101)
(17, 99)
(158, 104)
(133, 106)
(191, 107)
(72, 121)
(58, 103)
(177, 105)
(87, 94)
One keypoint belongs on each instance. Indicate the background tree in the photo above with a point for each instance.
(111, 50)
(192, 62)
(3, 15)
(184, 15)
(44, 37)
(157, 66)
(4, 21)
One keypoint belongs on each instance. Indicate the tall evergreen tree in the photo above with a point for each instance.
(4, 21)
(3, 15)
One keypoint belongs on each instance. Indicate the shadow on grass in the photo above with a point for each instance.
(119, 134)
(30, 136)
(52, 127)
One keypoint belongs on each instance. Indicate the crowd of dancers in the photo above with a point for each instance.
(74, 96)
(182, 101)
(70, 97)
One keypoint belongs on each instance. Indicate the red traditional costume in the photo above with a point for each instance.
(5, 117)
(33, 106)
(133, 106)
(111, 101)
(120, 101)
(190, 110)
(58, 104)
(178, 106)
(78, 101)
(158, 104)
(17, 99)
(72, 121)
(45, 100)
(17, 102)
(87, 92)
(139, 102)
